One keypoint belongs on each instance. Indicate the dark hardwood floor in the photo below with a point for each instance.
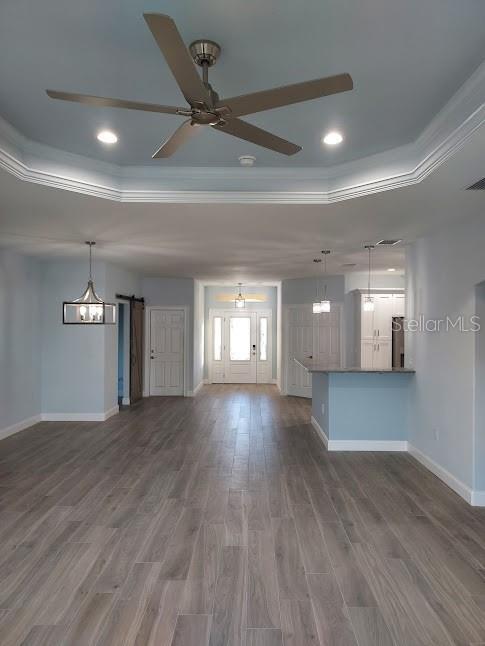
(222, 521)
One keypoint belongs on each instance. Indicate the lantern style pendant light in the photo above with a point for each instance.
(240, 301)
(317, 305)
(368, 300)
(325, 303)
(89, 309)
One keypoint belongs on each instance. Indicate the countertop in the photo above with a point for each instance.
(312, 366)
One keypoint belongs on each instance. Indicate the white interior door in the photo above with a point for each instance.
(310, 335)
(240, 351)
(300, 346)
(326, 336)
(167, 352)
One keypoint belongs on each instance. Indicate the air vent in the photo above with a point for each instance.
(387, 243)
(478, 186)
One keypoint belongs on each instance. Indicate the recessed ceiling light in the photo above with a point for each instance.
(391, 269)
(107, 137)
(333, 138)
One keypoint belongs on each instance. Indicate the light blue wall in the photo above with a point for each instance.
(19, 338)
(480, 390)
(442, 272)
(211, 293)
(73, 356)
(362, 406)
(174, 292)
(79, 364)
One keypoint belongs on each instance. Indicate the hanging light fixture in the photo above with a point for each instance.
(317, 305)
(325, 303)
(89, 309)
(368, 300)
(240, 301)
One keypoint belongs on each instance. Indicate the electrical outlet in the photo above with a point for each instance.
(436, 434)
(323, 409)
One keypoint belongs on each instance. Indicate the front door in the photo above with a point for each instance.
(166, 352)
(240, 348)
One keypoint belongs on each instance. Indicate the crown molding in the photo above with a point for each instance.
(402, 166)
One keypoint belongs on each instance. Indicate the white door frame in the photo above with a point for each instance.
(148, 310)
(285, 339)
(265, 312)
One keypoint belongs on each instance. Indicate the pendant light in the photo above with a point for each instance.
(325, 303)
(368, 300)
(240, 301)
(317, 304)
(89, 309)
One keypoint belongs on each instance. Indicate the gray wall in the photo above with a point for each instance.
(442, 273)
(174, 292)
(210, 302)
(297, 291)
(19, 338)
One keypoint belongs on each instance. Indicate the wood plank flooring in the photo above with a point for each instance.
(222, 521)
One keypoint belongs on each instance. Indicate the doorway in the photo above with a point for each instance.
(130, 349)
(240, 348)
(166, 370)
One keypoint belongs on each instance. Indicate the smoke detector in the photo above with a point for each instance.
(247, 160)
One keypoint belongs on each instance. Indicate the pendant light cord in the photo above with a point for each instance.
(325, 272)
(91, 244)
(369, 249)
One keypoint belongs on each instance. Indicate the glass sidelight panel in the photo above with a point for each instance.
(240, 338)
(217, 338)
(263, 339)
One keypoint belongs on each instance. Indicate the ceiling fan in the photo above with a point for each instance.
(205, 106)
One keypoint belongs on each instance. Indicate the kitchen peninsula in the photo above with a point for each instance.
(357, 409)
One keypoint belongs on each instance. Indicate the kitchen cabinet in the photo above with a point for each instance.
(374, 329)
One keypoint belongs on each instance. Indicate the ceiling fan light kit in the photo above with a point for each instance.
(205, 108)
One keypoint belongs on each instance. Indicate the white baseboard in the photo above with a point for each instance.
(357, 445)
(19, 426)
(368, 445)
(320, 432)
(125, 401)
(80, 417)
(477, 499)
(193, 393)
(474, 497)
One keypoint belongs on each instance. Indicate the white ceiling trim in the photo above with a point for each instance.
(397, 168)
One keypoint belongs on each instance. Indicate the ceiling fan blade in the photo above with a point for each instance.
(183, 133)
(248, 132)
(105, 102)
(176, 54)
(286, 95)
